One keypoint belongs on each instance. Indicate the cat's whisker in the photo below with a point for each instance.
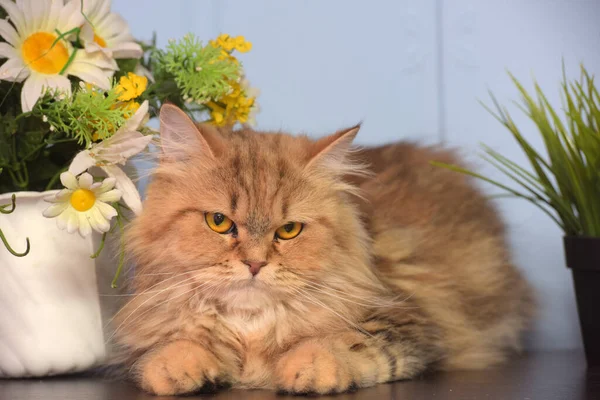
(146, 311)
(175, 285)
(367, 305)
(154, 306)
(148, 290)
(366, 302)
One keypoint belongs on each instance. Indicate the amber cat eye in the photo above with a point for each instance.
(289, 230)
(219, 222)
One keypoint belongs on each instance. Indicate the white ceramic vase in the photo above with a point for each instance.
(50, 319)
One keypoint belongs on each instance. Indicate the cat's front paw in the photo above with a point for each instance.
(311, 368)
(178, 368)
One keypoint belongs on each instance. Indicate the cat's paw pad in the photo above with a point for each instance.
(179, 368)
(311, 368)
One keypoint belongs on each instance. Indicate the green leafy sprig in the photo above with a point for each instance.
(188, 73)
(87, 115)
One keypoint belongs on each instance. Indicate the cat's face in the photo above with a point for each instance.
(252, 217)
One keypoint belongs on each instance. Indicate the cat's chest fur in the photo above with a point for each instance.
(257, 336)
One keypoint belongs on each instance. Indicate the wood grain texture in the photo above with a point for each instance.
(557, 375)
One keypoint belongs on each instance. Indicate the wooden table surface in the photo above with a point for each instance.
(534, 376)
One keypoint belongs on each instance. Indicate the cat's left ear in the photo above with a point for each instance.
(181, 137)
(331, 152)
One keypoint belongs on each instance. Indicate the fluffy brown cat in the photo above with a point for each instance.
(265, 260)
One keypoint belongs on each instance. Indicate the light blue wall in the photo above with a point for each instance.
(409, 70)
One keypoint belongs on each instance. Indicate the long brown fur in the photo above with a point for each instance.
(400, 267)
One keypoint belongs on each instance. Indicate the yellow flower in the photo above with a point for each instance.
(217, 118)
(233, 107)
(129, 108)
(228, 43)
(131, 86)
(242, 45)
(224, 41)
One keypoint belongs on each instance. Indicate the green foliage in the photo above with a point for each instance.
(188, 72)
(565, 181)
(84, 114)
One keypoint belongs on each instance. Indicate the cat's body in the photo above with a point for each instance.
(411, 274)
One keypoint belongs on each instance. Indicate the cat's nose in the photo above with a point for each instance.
(254, 266)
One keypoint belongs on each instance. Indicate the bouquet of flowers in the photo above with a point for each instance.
(76, 93)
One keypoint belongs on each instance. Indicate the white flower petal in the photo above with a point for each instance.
(60, 82)
(85, 180)
(102, 10)
(128, 145)
(97, 220)
(110, 196)
(63, 219)
(73, 221)
(106, 185)
(98, 60)
(8, 33)
(14, 70)
(64, 195)
(32, 91)
(60, 197)
(15, 14)
(69, 180)
(7, 51)
(53, 15)
(106, 210)
(143, 71)
(82, 161)
(111, 23)
(127, 50)
(55, 210)
(89, 73)
(35, 14)
(70, 16)
(130, 196)
(85, 228)
(133, 123)
(87, 32)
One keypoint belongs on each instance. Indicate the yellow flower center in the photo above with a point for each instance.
(40, 55)
(101, 42)
(83, 199)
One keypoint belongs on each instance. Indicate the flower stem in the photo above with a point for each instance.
(10, 249)
(55, 178)
(97, 253)
(13, 204)
(3, 210)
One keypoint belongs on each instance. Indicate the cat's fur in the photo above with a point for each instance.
(394, 273)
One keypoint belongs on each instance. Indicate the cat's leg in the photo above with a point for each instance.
(181, 367)
(381, 351)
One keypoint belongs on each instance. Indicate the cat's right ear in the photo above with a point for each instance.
(180, 137)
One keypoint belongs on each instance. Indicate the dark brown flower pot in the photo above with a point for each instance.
(583, 258)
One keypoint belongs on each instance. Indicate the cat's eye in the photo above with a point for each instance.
(289, 230)
(219, 222)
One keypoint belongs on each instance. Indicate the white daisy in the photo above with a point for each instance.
(35, 57)
(114, 151)
(107, 32)
(83, 204)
